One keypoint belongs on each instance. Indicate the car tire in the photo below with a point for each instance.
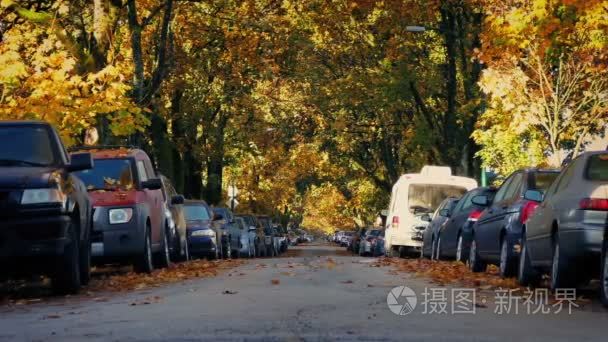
(163, 257)
(433, 248)
(460, 250)
(526, 274)
(66, 275)
(561, 269)
(143, 263)
(85, 259)
(604, 273)
(438, 250)
(507, 265)
(187, 256)
(476, 264)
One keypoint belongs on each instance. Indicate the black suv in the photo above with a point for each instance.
(45, 212)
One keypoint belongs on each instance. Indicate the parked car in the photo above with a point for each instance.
(439, 218)
(496, 236)
(356, 240)
(338, 236)
(269, 243)
(129, 221)
(45, 212)
(231, 234)
(454, 236)
(345, 239)
(174, 213)
(254, 226)
(414, 198)
(203, 237)
(277, 240)
(566, 232)
(283, 241)
(247, 242)
(365, 245)
(378, 245)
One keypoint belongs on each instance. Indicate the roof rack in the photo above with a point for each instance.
(101, 147)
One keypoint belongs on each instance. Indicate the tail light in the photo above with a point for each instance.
(599, 204)
(474, 215)
(527, 210)
(395, 221)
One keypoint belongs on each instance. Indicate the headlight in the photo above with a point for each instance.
(40, 196)
(203, 232)
(122, 215)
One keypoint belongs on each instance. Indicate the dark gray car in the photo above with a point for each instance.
(430, 232)
(496, 236)
(567, 231)
(454, 236)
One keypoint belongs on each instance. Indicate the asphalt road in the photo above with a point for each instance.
(314, 293)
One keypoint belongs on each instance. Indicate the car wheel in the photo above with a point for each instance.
(433, 248)
(144, 264)
(66, 275)
(438, 250)
(561, 272)
(187, 256)
(507, 262)
(475, 263)
(85, 260)
(164, 256)
(604, 273)
(460, 253)
(526, 274)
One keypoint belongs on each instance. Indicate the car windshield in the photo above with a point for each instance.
(597, 167)
(543, 180)
(374, 233)
(29, 146)
(425, 198)
(196, 213)
(108, 174)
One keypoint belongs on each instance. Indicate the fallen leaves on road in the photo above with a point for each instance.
(230, 292)
(53, 316)
(275, 281)
(347, 282)
(147, 301)
(444, 272)
(175, 273)
(112, 279)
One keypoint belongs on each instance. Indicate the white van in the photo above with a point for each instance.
(413, 200)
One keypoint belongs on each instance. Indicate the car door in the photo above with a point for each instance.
(489, 218)
(504, 209)
(459, 215)
(546, 214)
(153, 200)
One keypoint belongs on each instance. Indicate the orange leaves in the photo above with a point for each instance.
(445, 273)
(175, 273)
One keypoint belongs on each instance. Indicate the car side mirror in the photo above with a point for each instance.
(80, 162)
(177, 199)
(152, 184)
(534, 195)
(481, 200)
(444, 212)
(426, 218)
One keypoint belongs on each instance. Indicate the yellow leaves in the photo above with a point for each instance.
(12, 69)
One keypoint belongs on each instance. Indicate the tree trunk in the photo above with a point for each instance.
(215, 165)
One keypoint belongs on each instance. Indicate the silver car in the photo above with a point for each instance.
(247, 238)
(566, 233)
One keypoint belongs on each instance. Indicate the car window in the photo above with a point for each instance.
(425, 198)
(141, 171)
(108, 174)
(514, 189)
(597, 167)
(28, 145)
(196, 213)
(543, 180)
(500, 195)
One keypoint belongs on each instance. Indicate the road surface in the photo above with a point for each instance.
(314, 293)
